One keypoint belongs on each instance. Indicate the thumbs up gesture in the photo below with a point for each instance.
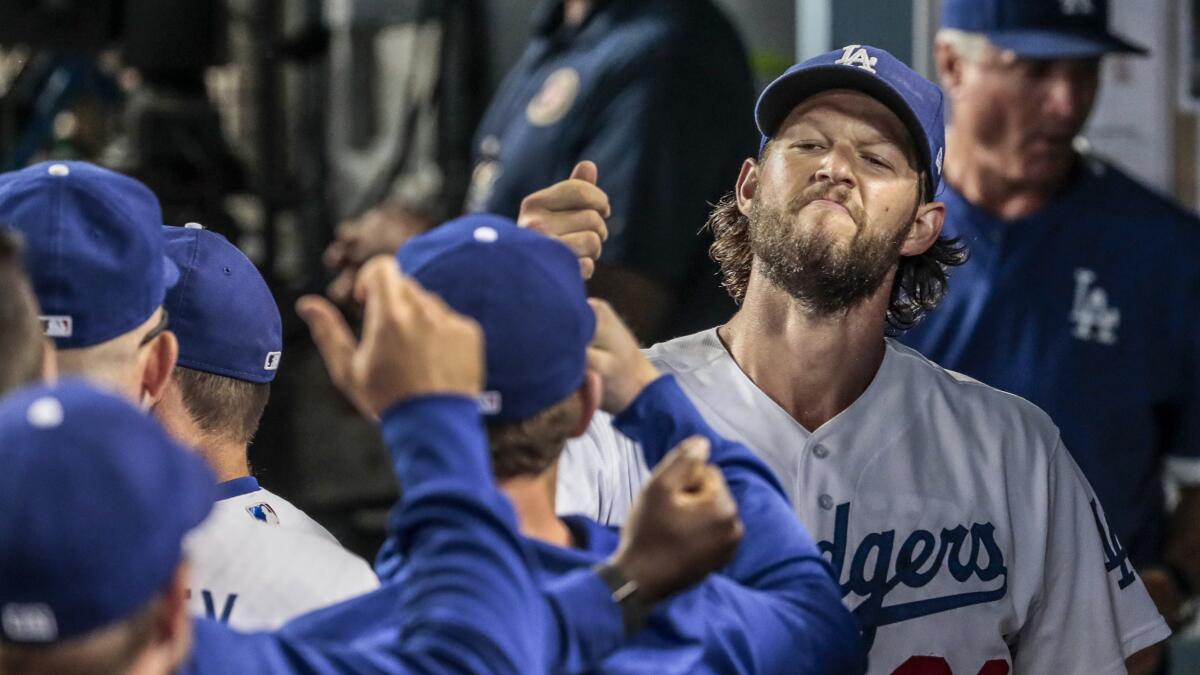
(573, 211)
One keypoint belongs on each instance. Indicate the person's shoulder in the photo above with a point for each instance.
(685, 353)
(954, 399)
(1110, 190)
(228, 536)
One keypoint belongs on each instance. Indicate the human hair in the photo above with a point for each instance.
(223, 406)
(111, 649)
(920, 284)
(530, 446)
(970, 46)
(21, 341)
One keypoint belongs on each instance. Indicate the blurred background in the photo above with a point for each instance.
(271, 121)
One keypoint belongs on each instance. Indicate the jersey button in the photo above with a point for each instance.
(820, 452)
(825, 501)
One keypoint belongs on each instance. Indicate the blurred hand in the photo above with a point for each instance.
(412, 345)
(615, 355)
(683, 526)
(380, 231)
(573, 211)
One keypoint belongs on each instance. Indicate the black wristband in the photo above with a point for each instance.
(626, 594)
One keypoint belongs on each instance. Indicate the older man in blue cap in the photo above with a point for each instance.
(1084, 284)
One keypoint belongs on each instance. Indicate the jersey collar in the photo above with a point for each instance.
(237, 487)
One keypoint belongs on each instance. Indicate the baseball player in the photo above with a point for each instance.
(230, 347)
(95, 256)
(70, 599)
(1083, 282)
(551, 360)
(964, 536)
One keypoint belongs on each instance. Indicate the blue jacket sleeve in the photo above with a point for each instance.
(470, 603)
(793, 590)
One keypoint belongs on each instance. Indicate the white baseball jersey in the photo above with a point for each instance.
(257, 562)
(965, 538)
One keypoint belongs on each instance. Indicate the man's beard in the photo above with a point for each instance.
(825, 279)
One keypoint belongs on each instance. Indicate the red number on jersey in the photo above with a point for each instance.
(936, 665)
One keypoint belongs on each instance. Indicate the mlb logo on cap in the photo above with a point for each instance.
(57, 326)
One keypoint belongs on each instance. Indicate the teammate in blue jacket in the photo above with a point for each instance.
(1083, 284)
(552, 360)
(70, 599)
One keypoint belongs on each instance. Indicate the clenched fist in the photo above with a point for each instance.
(683, 526)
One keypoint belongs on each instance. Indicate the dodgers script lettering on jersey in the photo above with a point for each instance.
(945, 507)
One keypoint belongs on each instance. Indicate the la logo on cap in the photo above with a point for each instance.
(856, 55)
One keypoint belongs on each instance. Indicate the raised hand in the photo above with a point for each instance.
(573, 211)
(413, 344)
(615, 356)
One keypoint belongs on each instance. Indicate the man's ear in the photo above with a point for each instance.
(590, 393)
(747, 185)
(925, 230)
(949, 66)
(49, 361)
(158, 366)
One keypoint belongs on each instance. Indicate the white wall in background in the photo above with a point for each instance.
(1133, 124)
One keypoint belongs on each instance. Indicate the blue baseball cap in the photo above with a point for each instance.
(221, 310)
(93, 248)
(1040, 29)
(95, 499)
(915, 100)
(525, 290)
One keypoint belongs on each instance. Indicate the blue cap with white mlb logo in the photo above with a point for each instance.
(221, 310)
(95, 500)
(525, 291)
(93, 248)
(1040, 29)
(915, 100)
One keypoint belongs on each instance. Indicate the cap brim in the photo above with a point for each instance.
(1058, 44)
(783, 95)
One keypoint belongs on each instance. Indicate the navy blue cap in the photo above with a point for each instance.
(95, 500)
(915, 100)
(525, 290)
(1040, 29)
(221, 310)
(93, 248)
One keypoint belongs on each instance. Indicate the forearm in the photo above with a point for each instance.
(1183, 536)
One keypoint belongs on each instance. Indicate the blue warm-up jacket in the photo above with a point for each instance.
(470, 602)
